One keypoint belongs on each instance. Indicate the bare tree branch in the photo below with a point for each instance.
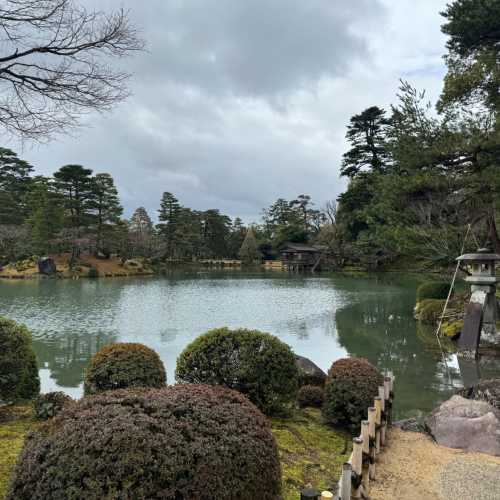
(55, 64)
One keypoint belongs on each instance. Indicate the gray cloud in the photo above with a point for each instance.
(237, 103)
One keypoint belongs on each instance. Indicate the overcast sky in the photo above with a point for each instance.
(239, 102)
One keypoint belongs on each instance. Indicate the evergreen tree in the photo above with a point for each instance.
(367, 135)
(236, 237)
(74, 183)
(249, 252)
(169, 218)
(473, 46)
(45, 214)
(106, 207)
(14, 185)
(141, 232)
(215, 233)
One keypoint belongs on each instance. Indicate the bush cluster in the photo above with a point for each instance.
(433, 290)
(254, 363)
(310, 395)
(122, 365)
(351, 385)
(50, 404)
(18, 366)
(179, 442)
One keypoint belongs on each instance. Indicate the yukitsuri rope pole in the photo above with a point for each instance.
(360, 469)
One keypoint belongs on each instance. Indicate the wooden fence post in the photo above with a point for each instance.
(372, 417)
(365, 434)
(381, 394)
(345, 482)
(357, 466)
(378, 420)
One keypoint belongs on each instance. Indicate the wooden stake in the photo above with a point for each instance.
(357, 464)
(345, 482)
(378, 420)
(372, 416)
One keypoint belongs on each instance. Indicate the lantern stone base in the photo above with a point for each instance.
(486, 296)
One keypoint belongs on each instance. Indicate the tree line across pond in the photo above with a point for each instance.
(76, 211)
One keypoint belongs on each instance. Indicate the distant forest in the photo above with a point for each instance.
(421, 178)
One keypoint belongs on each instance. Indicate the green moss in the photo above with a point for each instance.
(15, 423)
(429, 310)
(310, 452)
(451, 328)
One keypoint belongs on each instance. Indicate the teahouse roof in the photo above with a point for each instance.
(300, 247)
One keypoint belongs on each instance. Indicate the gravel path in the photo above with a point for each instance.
(413, 467)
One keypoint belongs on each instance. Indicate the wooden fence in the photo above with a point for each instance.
(360, 469)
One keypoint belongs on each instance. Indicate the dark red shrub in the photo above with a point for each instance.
(351, 385)
(181, 442)
(310, 395)
(122, 365)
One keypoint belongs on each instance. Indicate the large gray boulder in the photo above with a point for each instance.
(466, 424)
(47, 266)
(309, 372)
(485, 390)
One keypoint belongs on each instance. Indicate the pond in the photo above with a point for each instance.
(321, 317)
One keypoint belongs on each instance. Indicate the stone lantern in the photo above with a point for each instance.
(482, 278)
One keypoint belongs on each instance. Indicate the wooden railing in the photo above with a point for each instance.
(360, 469)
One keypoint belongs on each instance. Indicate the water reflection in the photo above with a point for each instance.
(323, 318)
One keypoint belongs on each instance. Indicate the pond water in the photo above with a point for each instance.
(323, 318)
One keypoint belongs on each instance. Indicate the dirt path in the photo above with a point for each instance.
(413, 467)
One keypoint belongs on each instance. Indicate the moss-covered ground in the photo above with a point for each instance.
(310, 451)
(15, 422)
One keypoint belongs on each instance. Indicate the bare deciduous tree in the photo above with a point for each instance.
(54, 64)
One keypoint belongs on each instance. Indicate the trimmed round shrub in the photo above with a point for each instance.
(18, 366)
(122, 365)
(433, 290)
(179, 442)
(310, 395)
(254, 363)
(351, 385)
(50, 404)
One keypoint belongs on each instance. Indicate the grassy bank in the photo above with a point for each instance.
(310, 452)
(86, 266)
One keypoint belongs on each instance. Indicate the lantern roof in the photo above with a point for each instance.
(483, 254)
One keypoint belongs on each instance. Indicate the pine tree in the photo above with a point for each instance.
(14, 185)
(249, 252)
(45, 214)
(141, 231)
(106, 207)
(169, 219)
(74, 183)
(367, 135)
